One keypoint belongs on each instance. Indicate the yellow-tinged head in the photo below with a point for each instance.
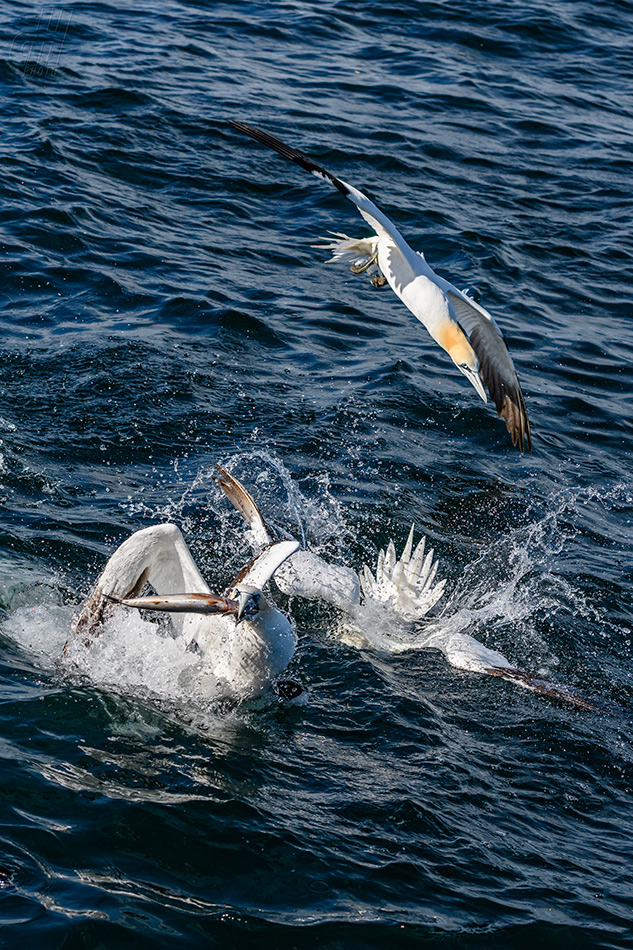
(452, 338)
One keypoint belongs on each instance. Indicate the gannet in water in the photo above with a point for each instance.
(243, 641)
(456, 322)
(403, 585)
(404, 590)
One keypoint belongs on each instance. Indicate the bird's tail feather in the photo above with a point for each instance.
(359, 252)
(404, 584)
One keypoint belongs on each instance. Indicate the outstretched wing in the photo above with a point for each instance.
(242, 500)
(292, 154)
(372, 214)
(157, 555)
(554, 690)
(495, 363)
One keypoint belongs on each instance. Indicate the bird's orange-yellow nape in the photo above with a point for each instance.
(452, 339)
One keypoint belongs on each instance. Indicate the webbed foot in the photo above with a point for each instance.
(363, 264)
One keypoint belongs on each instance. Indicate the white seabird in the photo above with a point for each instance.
(403, 589)
(461, 326)
(403, 585)
(243, 641)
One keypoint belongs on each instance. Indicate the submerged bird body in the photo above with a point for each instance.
(464, 329)
(242, 642)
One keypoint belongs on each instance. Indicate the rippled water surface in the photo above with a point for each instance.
(163, 310)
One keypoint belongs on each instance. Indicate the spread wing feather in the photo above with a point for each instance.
(496, 368)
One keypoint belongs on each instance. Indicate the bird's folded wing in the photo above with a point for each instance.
(262, 567)
(495, 363)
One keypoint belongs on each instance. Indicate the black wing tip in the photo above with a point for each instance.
(545, 687)
(242, 127)
(528, 438)
(287, 151)
(523, 426)
(511, 408)
(509, 402)
(503, 385)
(224, 480)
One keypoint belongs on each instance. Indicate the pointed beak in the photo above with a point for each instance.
(242, 612)
(474, 378)
(247, 605)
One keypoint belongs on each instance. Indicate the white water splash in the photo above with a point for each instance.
(131, 655)
(499, 603)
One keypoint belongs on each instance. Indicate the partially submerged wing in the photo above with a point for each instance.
(259, 571)
(545, 687)
(495, 363)
(241, 499)
(183, 603)
(308, 575)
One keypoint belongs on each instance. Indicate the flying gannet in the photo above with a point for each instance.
(243, 642)
(402, 588)
(461, 326)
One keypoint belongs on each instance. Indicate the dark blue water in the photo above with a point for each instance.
(162, 310)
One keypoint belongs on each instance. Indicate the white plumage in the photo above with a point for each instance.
(405, 584)
(243, 642)
(400, 592)
(461, 326)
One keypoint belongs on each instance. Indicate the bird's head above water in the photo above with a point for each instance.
(249, 602)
